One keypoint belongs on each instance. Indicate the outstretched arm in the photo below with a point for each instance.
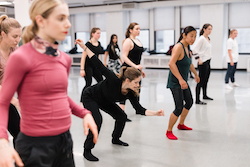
(154, 113)
(98, 64)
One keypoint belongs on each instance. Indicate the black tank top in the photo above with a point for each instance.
(95, 49)
(135, 54)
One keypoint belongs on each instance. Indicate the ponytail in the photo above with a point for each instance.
(205, 26)
(186, 30)
(130, 27)
(130, 73)
(29, 33)
(6, 23)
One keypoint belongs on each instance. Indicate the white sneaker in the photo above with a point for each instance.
(228, 87)
(235, 84)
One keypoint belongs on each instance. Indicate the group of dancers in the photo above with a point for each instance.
(39, 72)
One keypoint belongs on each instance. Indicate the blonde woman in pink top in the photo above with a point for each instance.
(10, 31)
(39, 72)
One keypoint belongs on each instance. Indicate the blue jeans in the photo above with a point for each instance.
(230, 73)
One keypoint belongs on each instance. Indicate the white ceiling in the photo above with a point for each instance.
(80, 3)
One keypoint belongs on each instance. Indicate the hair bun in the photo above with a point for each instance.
(2, 18)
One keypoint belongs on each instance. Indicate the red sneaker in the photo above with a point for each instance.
(171, 136)
(183, 127)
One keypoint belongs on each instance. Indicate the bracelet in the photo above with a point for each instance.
(82, 69)
(85, 48)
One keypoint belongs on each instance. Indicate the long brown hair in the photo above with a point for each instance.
(130, 73)
(205, 26)
(130, 27)
(38, 7)
(6, 23)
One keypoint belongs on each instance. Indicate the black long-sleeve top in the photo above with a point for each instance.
(109, 90)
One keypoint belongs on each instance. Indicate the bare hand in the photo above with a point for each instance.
(183, 84)
(89, 123)
(80, 43)
(160, 112)
(8, 154)
(82, 73)
(197, 79)
(15, 102)
(231, 63)
(139, 67)
(143, 74)
(200, 62)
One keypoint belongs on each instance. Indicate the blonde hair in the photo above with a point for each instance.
(38, 7)
(6, 23)
(231, 32)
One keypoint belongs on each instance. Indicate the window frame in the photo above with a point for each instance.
(155, 40)
(237, 40)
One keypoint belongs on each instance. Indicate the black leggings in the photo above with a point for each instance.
(204, 73)
(14, 122)
(90, 72)
(112, 109)
(179, 95)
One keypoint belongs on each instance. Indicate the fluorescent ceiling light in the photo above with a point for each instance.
(5, 3)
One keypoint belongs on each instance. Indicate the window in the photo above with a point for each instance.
(243, 40)
(66, 44)
(197, 37)
(144, 38)
(83, 36)
(103, 39)
(163, 39)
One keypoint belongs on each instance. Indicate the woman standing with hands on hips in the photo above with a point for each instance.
(88, 70)
(180, 63)
(106, 93)
(39, 72)
(132, 51)
(203, 53)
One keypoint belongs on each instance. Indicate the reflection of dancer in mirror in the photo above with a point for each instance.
(131, 51)
(88, 70)
(10, 36)
(180, 63)
(204, 55)
(113, 51)
(232, 59)
(104, 96)
(38, 71)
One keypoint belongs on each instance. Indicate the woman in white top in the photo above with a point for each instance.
(232, 58)
(202, 50)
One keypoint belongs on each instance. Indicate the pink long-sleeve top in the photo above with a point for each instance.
(41, 83)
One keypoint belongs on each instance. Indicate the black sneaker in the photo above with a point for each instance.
(119, 142)
(89, 156)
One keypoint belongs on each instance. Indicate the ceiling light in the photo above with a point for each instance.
(5, 3)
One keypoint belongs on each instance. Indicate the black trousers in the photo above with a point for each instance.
(204, 73)
(14, 122)
(112, 109)
(52, 151)
(91, 71)
(181, 95)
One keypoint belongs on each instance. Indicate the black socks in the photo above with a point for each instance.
(89, 156)
(119, 142)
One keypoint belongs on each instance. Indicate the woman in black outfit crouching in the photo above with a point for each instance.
(104, 96)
